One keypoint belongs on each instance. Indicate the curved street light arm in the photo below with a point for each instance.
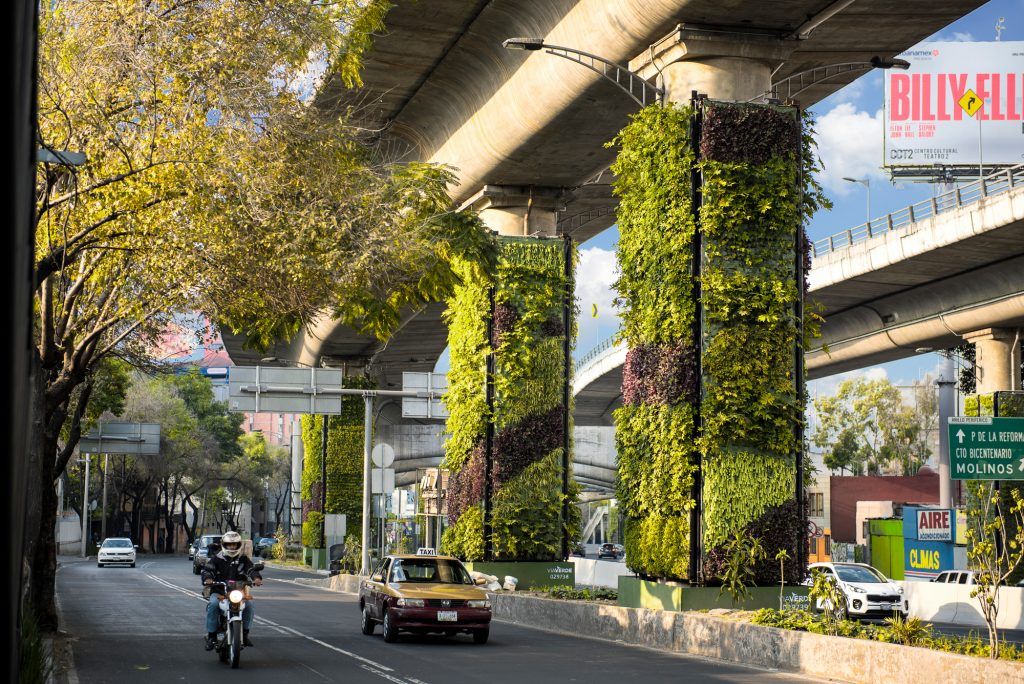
(636, 86)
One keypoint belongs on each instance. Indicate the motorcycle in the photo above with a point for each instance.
(234, 595)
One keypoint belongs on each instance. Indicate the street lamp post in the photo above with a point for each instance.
(866, 182)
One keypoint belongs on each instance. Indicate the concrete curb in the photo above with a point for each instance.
(296, 568)
(838, 658)
(346, 584)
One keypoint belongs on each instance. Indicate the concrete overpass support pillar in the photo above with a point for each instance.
(997, 359)
(722, 65)
(519, 210)
(295, 519)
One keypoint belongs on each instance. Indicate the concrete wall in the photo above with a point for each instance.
(936, 602)
(834, 658)
(598, 573)
(847, 491)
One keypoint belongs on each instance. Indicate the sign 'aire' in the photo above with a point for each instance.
(924, 121)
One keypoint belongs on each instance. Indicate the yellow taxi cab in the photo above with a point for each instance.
(424, 593)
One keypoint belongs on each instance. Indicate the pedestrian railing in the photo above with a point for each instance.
(994, 184)
(598, 351)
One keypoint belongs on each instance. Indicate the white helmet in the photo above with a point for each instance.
(231, 544)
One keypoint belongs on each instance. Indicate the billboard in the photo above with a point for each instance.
(925, 122)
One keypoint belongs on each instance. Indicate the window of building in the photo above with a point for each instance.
(816, 505)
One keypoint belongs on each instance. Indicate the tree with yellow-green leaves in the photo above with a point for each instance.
(214, 184)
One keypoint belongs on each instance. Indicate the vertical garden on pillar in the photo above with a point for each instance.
(522, 305)
(344, 466)
(711, 388)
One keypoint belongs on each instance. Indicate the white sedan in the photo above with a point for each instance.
(116, 550)
(868, 592)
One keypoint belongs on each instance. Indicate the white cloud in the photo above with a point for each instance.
(962, 37)
(850, 144)
(596, 273)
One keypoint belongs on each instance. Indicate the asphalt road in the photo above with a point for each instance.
(146, 624)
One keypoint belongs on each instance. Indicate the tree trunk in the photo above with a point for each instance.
(43, 555)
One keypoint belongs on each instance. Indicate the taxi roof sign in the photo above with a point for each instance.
(426, 551)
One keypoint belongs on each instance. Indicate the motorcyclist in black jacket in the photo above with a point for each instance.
(229, 564)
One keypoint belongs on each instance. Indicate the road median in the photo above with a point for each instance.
(722, 638)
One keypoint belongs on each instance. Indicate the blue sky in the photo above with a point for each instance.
(850, 143)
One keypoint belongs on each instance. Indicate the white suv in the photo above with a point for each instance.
(116, 550)
(868, 593)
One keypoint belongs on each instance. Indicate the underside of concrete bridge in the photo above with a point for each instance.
(440, 87)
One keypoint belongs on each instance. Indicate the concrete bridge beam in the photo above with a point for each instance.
(997, 358)
(519, 210)
(724, 65)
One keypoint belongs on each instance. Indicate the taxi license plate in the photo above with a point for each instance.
(447, 616)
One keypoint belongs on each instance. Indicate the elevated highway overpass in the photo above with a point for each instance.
(526, 130)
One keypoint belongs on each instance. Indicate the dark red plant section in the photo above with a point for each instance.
(505, 318)
(553, 327)
(751, 135)
(777, 529)
(466, 487)
(517, 446)
(659, 374)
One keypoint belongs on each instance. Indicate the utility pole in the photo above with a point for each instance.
(947, 408)
(85, 505)
(367, 479)
(103, 511)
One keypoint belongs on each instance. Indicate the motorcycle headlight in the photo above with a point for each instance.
(236, 596)
(482, 603)
(410, 603)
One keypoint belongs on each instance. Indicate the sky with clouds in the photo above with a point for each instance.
(849, 136)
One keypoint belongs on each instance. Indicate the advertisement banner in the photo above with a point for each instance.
(926, 559)
(935, 525)
(957, 104)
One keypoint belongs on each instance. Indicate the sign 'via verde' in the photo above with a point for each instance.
(986, 448)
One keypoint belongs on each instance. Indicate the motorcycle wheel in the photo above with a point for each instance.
(236, 644)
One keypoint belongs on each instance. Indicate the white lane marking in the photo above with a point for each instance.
(374, 666)
(319, 674)
(384, 675)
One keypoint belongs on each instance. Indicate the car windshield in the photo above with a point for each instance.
(858, 573)
(434, 570)
(210, 540)
(117, 544)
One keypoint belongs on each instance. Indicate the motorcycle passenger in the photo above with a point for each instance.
(226, 566)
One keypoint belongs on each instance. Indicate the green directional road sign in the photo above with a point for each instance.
(986, 448)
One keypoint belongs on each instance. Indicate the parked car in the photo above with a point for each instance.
(955, 577)
(203, 551)
(613, 551)
(264, 544)
(116, 550)
(869, 594)
(424, 593)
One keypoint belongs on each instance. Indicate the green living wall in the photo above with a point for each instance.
(344, 466)
(527, 339)
(732, 403)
